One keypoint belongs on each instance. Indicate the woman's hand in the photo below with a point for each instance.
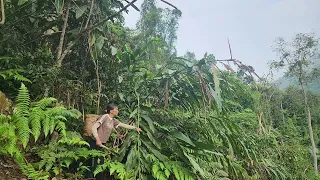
(98, 142)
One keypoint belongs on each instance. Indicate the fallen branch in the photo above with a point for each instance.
(239, 64)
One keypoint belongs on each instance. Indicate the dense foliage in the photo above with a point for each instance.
(62, 59)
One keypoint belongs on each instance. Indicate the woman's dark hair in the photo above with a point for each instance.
(110, 107)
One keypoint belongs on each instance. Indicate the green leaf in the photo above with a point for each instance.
(121, 96)
(195, 164)
(59, 5)
(155, 168)
(56, 170)
(99, 42)
(176, 172)
(133, 113)
(222, 173)
(68, 161)
(120, 78)
(167, 173)
(149, 121)
(35, 121)
(183, 137)
(114, 50)
(80, 11)
(21, 2)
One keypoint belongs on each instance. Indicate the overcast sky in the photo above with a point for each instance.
(251, 25)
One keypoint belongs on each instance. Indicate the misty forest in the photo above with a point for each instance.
(200, 118)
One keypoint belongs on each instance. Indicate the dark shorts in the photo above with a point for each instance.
(94, 162)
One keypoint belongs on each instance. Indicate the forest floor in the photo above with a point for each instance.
(9, 170)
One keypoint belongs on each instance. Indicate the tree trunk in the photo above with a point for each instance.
(260, 123)
(313, 145)
(61, 41)
(282, 111)
(166, 103)
(96, 67)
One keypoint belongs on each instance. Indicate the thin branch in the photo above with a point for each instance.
(221, 60)
(2, 13)
(230, 49)
(65, 52)
(239, 64)
(68, 49)
(107, 18)
(134, 6)
(90, 12)
(169, 4)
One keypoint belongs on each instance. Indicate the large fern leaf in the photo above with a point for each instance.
(46, 125)
(35, 122)
(23, 102)
(28, 170)
(52, 124)
(60, 110)
(45, 102)
(61, 127)
(22, 125)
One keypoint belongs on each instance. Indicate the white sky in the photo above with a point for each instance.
(251, 25)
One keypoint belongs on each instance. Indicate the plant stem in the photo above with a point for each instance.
(138, 123)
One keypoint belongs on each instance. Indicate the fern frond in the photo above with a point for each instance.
(52, 124)
(167, 173)
(44, 103)
(161, 176)
(23, 102)
(46, 125)
(35, 121)
(101, 168)
(74, 141)
(113, 167)
(20, 77)
(60, 117)
(117, 167)
(60, 110)
(13, 73)
(61, 127)
(84, 152)
(155, 168)
(28, 170)
(9, 147)
(22, 125)
(176, 172)
(8, 139)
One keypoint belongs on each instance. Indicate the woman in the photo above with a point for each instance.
(101, 131)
